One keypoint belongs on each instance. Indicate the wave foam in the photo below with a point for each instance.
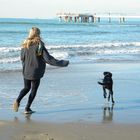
(60, 55)
(96, 45)
(9, 60)
(9, 49)
(12, 54)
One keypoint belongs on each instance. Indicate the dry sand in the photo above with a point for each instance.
(68, 131)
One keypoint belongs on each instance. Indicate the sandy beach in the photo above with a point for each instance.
(70, 105)
(68, 131)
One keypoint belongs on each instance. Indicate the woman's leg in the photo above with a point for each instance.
(25, 90)
(35, 85)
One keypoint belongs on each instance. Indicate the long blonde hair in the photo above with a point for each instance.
(33, 38)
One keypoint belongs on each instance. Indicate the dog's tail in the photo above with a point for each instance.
(101, 83)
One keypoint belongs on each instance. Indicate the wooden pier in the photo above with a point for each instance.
(91, 18)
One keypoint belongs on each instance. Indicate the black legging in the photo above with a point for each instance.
(29, 84)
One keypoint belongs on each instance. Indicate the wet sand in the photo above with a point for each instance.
(79, 116)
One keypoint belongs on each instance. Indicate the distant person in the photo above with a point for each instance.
(34, 57)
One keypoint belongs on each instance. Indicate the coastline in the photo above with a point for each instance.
(83, 113)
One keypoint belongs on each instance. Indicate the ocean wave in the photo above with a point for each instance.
(110, 45)
(12, 54)
(9, 49)
(98, 49)
(96, 45)
(60, 55)
(9, 60)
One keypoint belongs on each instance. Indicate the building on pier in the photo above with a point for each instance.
(88, 18)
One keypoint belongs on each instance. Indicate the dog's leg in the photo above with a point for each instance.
(111, 93)
(109, 96)
(104, 92)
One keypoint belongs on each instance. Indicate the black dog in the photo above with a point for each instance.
(107, 84)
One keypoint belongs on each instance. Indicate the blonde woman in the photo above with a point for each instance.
(34, 57)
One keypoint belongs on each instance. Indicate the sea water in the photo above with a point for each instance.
(67, 94)
(78, 42)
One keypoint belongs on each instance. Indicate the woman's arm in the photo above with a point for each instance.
(52, 61)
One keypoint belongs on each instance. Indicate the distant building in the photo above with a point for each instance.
(90, 18)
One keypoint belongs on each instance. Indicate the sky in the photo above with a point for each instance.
(49, 8)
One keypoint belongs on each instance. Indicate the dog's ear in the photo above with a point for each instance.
(110, 74)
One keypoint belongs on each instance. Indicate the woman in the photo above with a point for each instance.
(34, 57)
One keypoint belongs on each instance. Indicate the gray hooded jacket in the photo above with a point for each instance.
(34, 61)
